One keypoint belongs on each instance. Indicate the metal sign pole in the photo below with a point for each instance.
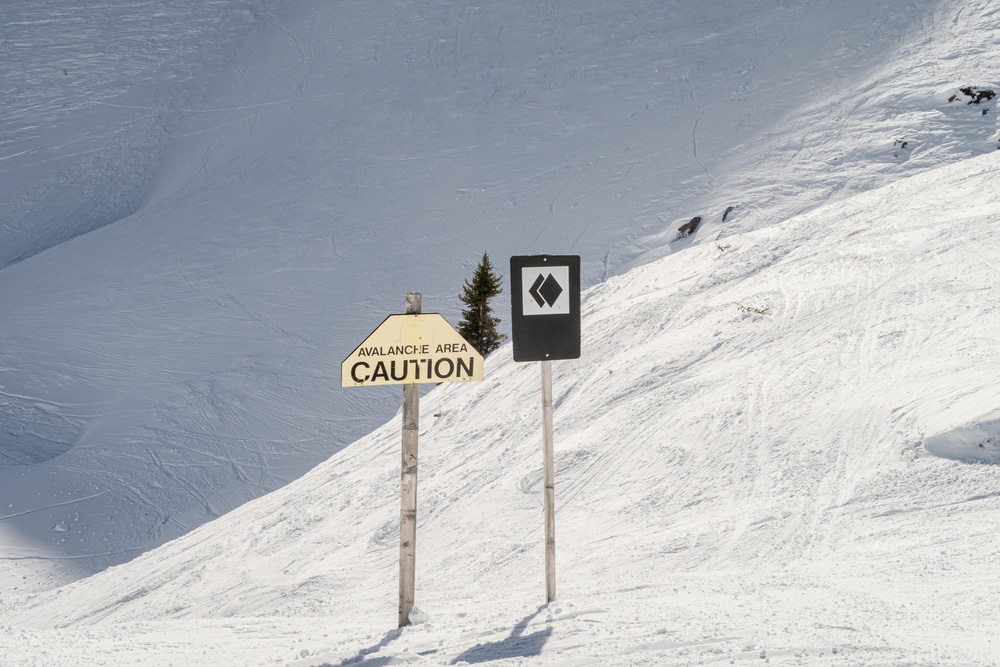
(545, 325)
(408, 486)
(550, 502)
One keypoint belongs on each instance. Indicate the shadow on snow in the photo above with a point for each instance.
(516, 645)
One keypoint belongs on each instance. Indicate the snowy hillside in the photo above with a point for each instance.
(204, 206)
(772, 448)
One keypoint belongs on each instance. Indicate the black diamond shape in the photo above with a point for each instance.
(550, 290)
(534, 291)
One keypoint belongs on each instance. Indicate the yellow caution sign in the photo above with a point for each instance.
(410, 349)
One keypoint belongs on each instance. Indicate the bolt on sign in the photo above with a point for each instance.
(410, 349)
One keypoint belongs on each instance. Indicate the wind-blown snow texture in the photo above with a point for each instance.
(766, 450)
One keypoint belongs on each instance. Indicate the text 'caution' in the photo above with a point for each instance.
(410, 349)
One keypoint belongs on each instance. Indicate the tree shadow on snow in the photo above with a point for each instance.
(516, 645)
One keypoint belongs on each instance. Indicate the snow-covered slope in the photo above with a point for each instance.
(763, 452)
(259, 183)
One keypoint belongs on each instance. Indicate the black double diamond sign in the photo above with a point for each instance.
(545, 307)
(545, 290)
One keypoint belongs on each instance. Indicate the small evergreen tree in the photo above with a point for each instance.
(478, 326)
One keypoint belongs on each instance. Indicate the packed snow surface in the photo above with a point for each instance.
(779, 445)
(765, 451)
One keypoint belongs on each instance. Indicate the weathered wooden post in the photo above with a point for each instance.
(409, 349)
(408, 487)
